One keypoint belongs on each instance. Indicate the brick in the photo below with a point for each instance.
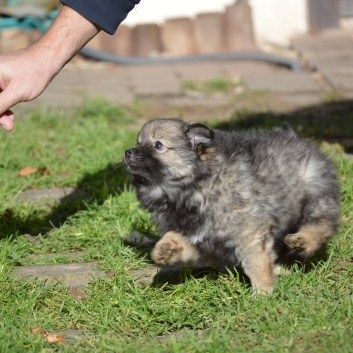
(123, 42)
(146, 40)
(120, 43)
(178, 37)
(239, 34)
(209, 33)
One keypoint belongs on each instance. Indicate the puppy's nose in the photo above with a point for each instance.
(129, 152)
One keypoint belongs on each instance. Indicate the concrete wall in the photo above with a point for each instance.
(157, 11)
(275, 21)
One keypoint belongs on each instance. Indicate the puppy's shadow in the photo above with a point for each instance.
(177, 274)
(173, 275)
(321, 256)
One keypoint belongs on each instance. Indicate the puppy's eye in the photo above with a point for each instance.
(158, 146)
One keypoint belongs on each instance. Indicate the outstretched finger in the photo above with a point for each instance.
(7, 120)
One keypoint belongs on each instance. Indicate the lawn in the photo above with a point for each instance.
(310, 310)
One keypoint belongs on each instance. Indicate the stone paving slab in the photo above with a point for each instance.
(330, 53)
(159, 275)
(56, 195)
(302, 99)
(80, 275)
(116, 95)
(323, 42)
(68, 275)
(124, 84)
(341, 82)
(332, 62)
(52, 98)
(282, 82)
(166, 88)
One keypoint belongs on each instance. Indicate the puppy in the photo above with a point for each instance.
(254, 199)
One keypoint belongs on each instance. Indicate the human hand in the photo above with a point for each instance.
(24, 74)
(23, 77)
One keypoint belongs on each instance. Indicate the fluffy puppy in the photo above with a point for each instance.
(254, 199)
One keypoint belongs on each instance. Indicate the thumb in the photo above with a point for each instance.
(7, 100)
(6, 120)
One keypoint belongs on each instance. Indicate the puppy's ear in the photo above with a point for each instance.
(200, 135)
(288, 129)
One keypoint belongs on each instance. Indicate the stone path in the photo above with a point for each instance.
(330, 53)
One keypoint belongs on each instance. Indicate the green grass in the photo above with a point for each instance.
(218, 84)
(311, 310)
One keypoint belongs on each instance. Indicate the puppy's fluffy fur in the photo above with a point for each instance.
(252, 199)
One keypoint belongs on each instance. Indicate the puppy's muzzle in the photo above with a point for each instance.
(131, 155)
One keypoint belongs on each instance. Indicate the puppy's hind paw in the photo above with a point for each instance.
(295, 242)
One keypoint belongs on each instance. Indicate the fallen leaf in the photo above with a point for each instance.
(52, 337)
(36, 330)
(76, 292)
(49, 337)
(29, 171)
(110, 273)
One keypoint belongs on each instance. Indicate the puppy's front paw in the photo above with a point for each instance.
(167, 252)
(174, 248)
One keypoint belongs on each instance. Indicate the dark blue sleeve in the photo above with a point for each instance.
(107, 14)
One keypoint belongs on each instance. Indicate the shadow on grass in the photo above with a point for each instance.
(173, 275)
(91, 189)
(330, 121)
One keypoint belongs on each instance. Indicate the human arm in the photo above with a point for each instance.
(24, 74)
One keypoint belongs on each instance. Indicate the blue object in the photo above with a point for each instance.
(28, 23)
